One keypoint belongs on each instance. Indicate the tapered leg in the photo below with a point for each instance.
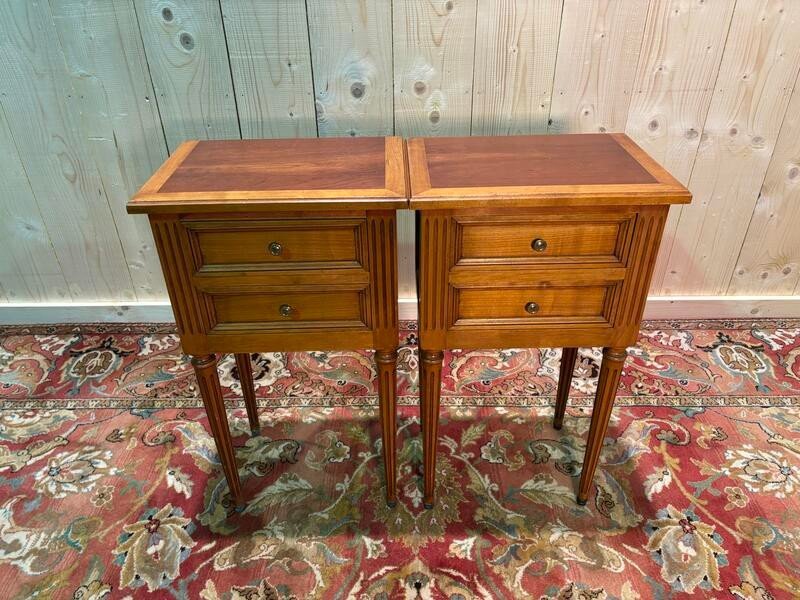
(610, 370)
(430, 387)
(568, 356)
(205, 368)
(245, 368)
(387, 390)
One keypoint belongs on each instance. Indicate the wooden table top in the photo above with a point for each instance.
(284, 174)
(537, 170)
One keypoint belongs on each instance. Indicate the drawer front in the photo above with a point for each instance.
(524, 240)
(531, 305)
(289, 310)
(266, 245)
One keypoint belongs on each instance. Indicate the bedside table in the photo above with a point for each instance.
(280, 245)
(534, 241)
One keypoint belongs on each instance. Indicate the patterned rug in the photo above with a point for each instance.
(110, 486)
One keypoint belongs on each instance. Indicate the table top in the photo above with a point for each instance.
(284, 174)
(537, 170)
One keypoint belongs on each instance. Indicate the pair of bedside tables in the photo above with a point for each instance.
(522, 241)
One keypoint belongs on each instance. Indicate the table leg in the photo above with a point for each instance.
(610, 371)
(245, 368)
(205, 368)
(568, 356)
(430, 388)
(387, 390)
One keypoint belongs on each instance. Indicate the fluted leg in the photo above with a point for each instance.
(430, 387)
(205, 368)
(387, 390)
(245, 368)
(610, 371)
(568, 356)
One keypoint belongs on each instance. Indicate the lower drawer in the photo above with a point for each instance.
(289, 309)
(528, 306)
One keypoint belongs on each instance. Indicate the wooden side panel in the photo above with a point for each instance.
(632, 296)
(515, 59)
(174, 250)
(433, 61)
(678, 65)
(351, 50)
(43, 111)
(435, 252)
(769, 262)
(382, 254)
(29, 269)
(597, 55)
(119, 118)
(188, 61)
(758, 70)
(271, 67)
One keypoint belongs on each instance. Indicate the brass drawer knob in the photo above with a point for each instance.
(539, 245)
(285, 310)
(531, 308)
(275, 248)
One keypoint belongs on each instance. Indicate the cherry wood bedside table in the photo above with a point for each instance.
(280, 245)
(534, 241)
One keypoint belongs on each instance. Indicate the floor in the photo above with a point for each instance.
(110, 485)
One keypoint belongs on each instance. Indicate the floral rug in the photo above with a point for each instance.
(110, 486)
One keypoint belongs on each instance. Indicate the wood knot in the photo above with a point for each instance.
(691, 134)
(652, 125)
(435, 116)
(357, 89)
(794, 173)
(419, 87)
(166, 14)
(186, 40)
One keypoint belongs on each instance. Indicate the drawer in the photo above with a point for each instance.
(279, 244)
(289, 310)
(521, 239)
(531, 305)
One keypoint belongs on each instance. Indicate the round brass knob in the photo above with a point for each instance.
(285, 310)
(539, 245)
(275, 248)
(531, 308)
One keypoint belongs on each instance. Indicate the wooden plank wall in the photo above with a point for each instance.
(94, 94)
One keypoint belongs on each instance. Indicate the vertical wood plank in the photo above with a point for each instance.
(351, 49)
(119, 118)
(188, 63)
(271, 67)
(769, 261)
(29, 269)
(515, 59)
(598, 50)
(433, 62)
(43, 111)
(678, 65)
(759, 66)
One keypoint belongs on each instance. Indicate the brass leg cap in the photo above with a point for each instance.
(428, 505)
(391, 503)
(580, 502)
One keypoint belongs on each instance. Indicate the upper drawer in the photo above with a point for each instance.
(276, 244)
(600, 238)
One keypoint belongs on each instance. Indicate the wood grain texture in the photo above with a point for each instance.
(43, 110)
(758, 70)
(186, 53)
(678, 65)
(271, 67)
(351, 49)
(566, 369)
(515, 59)
(536, 171)
(598, 49)
(610, 371)
(29, 269)
(119, 118)
(244, 367)
(769, 261)
(433, 65)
